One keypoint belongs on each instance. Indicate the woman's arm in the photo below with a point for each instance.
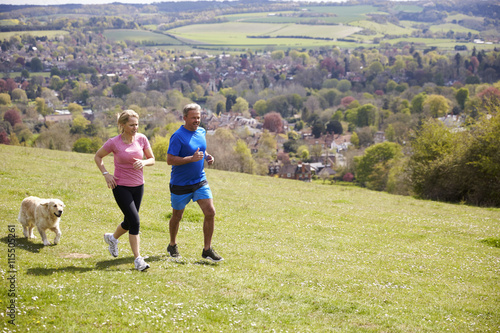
(110, 179)
(150, 159)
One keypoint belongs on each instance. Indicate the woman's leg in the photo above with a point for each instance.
(129, 200)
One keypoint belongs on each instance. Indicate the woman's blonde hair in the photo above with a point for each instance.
(122, 118)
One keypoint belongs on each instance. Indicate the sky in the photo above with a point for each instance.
(95, 2)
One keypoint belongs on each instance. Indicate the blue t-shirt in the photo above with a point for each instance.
(185, 143)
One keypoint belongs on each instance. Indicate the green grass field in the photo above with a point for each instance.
(299, 257)
(388, 28)
(236, 34)
(51, 34)
(139, 36)
(451, 27)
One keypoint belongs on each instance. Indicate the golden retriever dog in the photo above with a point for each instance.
(43, 214)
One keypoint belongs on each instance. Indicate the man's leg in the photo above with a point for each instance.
(174, 225)
(207, 206)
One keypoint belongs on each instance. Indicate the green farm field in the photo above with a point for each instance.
(51, 34)
(388, 28)
(299, 257)
(140, 36)
(236, 34)
(451, 27)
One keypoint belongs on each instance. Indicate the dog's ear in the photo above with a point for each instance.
(44, 202)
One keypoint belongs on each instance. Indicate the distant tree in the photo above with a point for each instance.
(273, 122)
(316, 151)
(324, 174)
(348, 177)
(299, 125)
(19, 95)
(290, 146)
(344, 85)
(75, 108)
(303, 153)
(372, 169)
(334, 126)
(14, 141)
(55, 137)
(230, 101)
(120, 90)
(244, 158)
(366, 115)
(277, 55)
(490, 98)
(36, 65)
(87, 145)
(265, 81)
(355, 139)
(25, 74)
(5, 99)
(267, 146)
(417, 103)
(241, 105)
(390, 133)
(13, 117)
(374, 69)
(260, 107)
(4, 137)
(318, 128)
(365, 136)
(461, 96)
(436, 105)
(10, 85)
(345, 101)
(79, 124)
(221, 106)
(330, 95)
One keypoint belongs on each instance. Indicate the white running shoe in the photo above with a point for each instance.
(113, 244)
(140, 264)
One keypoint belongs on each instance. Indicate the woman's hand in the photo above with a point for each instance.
(110, 180)
(138, 164)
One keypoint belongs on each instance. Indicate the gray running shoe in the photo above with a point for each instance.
(210, 254)
(173, 251)
(140, 264)
(113, 244)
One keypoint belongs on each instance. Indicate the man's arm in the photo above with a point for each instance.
(177, 160)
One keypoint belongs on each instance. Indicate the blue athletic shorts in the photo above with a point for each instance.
(179, 201)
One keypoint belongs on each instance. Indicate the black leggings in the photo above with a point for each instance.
(129, 200)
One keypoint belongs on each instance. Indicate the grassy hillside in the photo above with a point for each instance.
(298, 257)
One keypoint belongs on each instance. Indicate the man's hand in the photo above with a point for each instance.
(210, 159)
(198, 155)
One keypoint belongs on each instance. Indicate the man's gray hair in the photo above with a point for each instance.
(189, 107)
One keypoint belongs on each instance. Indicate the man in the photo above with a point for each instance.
(186, 153)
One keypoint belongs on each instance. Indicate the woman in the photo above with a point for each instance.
(127, 183)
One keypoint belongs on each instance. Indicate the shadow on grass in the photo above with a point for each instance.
(182, 261)
(100, 265)
(39, 271)
(25, 244)
(117, 262)
(206, 263)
